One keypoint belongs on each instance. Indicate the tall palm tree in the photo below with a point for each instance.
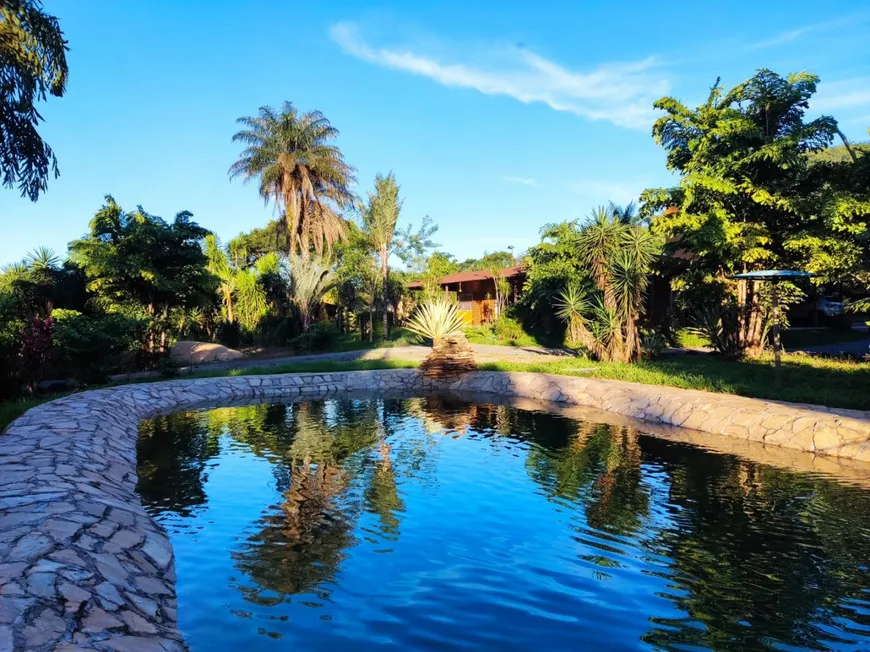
(379, 220)
(300, 170)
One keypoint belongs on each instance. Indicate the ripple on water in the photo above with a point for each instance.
(434, 523)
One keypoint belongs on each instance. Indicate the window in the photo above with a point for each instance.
(465, 302)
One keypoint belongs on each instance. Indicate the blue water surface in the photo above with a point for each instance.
(433, 523)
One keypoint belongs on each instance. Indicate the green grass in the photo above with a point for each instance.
(797, 339)
(489, 335)
(824, 381)
(351, 341)
(11, 410)
(689, 339)
(836, 383)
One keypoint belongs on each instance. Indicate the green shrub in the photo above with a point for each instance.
(509, 330)
(90, 346)
(11, 333)
(320, 337)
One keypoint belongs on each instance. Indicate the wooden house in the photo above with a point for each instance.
(475, 292)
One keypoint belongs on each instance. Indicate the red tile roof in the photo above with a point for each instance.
(465, 277)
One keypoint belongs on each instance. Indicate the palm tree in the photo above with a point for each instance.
(619, 257)
(310, 278)
(243, 298)
(379, 220)
(43, 258)
(300, 171)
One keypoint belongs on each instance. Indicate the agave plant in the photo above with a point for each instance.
(437, 320)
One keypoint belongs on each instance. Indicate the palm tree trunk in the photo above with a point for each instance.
(385, 275)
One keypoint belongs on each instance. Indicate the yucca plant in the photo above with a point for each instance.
(437, 320)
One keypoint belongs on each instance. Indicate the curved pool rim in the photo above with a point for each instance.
(83, 563)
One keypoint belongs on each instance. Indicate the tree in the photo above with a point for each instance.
(310, 278)
(618, 258)
(380, 218)
(139, 264)
(32, 64)
(748, 197)
(243, 297)
(501, 287)
(298, 168)
(552, 265)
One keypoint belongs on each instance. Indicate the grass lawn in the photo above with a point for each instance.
(11, 410)
(836, 383)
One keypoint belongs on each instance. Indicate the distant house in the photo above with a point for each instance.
(475, 292)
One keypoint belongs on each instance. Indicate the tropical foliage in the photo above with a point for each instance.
(32, 65)
(754, 193)
(604, 315)
(292, 157)
(436, 320)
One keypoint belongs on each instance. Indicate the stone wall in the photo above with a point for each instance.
(84, 567)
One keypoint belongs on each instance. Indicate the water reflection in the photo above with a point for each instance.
(691, 549)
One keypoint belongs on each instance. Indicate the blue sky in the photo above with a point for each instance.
(496, 118)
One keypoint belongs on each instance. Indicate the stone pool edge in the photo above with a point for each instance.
(84, 567)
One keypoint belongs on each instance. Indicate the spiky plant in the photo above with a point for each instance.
(310, 279)
(437, 320)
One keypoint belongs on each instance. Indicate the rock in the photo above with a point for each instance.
(126, 539)
(99, 620)
(60, 530)
(72, 593)
(47, 628)
(137, 624)
(152, 586)
(449, 358)
(187, 352)
(159, 550)
(110, 594)
(42, 584)
(31, 546)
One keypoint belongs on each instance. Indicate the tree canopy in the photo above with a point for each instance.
(32, 65)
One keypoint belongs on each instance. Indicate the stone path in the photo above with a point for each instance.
(485, 353)
(84, 567)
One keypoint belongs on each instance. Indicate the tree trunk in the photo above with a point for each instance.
(372, 321)
(385, 279)
(750, 320)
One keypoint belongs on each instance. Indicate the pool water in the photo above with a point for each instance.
(432, 523)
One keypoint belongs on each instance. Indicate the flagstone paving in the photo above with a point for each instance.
(84, 567)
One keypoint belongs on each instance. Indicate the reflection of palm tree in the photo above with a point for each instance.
(301, 543)
(382, 495)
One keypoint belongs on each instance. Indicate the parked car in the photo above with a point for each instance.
(829, 306)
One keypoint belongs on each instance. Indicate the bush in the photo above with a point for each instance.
(230, 334)
(320, 337)
(90, 346)
(509, 330)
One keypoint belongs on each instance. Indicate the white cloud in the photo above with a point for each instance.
(793, 34)
(523, 181)
(605, 191)
(784, 37)
(842, 94)
(620, 93)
